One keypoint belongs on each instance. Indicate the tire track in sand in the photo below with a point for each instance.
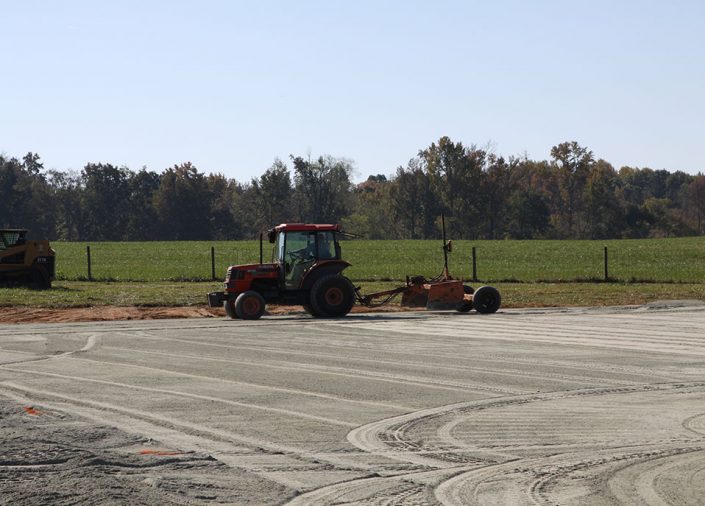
(230, 447)
(177, 393)
(349, 372)
(387, 438)
(643, 482)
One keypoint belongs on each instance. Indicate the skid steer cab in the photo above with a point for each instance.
(306, 269)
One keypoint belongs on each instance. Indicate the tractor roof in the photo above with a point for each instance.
(307, 227)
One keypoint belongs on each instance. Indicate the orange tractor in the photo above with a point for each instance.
(307, 268)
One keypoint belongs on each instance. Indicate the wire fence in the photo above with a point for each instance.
(651, 260)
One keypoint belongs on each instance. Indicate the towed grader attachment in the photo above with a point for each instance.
(440, 293)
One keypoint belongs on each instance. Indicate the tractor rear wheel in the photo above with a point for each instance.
(332, 296)
(249, 305)
(486, 299)
(310, 310)
(230, 308)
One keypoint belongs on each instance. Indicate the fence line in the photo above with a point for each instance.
(158, 270)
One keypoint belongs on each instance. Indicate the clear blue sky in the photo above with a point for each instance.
(231, 85)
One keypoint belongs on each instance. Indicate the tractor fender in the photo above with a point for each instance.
(321, 269)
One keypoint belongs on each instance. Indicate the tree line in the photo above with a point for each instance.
(572, 195)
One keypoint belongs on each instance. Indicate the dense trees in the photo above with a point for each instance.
(574, 194)
(183, 203)
(25, 195)
(322, 188)
(696, 201)
(272, 196)
(412, 201)
(106, 200)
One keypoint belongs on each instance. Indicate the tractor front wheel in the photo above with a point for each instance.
(332, 296)
(249, 305)
(486, 299)
(230, 308)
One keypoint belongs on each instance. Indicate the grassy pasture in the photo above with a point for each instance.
(527, 273)
(654, 260)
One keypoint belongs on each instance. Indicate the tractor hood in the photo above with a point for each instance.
(252, 268)
(257, 267)
(239, 277)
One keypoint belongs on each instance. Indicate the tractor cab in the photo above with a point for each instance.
(300, 247)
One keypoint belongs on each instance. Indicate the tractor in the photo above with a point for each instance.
(25, 262)
(306, 270)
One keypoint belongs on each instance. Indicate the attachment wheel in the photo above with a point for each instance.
(486, 299)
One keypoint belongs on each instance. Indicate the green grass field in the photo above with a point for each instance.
(527, 273)
(653, 260)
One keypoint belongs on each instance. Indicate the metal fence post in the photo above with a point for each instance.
(88, 254)
(213, 263)
(474, 264)
(607, 277)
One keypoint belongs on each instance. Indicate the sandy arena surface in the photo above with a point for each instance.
(556, 406)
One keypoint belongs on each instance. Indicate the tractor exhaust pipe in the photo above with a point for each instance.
(261, 256)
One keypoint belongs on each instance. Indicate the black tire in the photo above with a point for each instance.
(40, 279)
(311, 311)
(465, 306)
(332, 296)
(230, 308)
(486, 299)
(249, 305)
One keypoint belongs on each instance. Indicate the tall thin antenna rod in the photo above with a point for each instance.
(445, 246)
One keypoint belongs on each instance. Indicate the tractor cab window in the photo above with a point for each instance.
(326, 245)
(278, 250)
(299, 255)
(300, 246)
(301, 250)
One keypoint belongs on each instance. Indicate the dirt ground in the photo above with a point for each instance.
(119, 313)
(101, 313)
